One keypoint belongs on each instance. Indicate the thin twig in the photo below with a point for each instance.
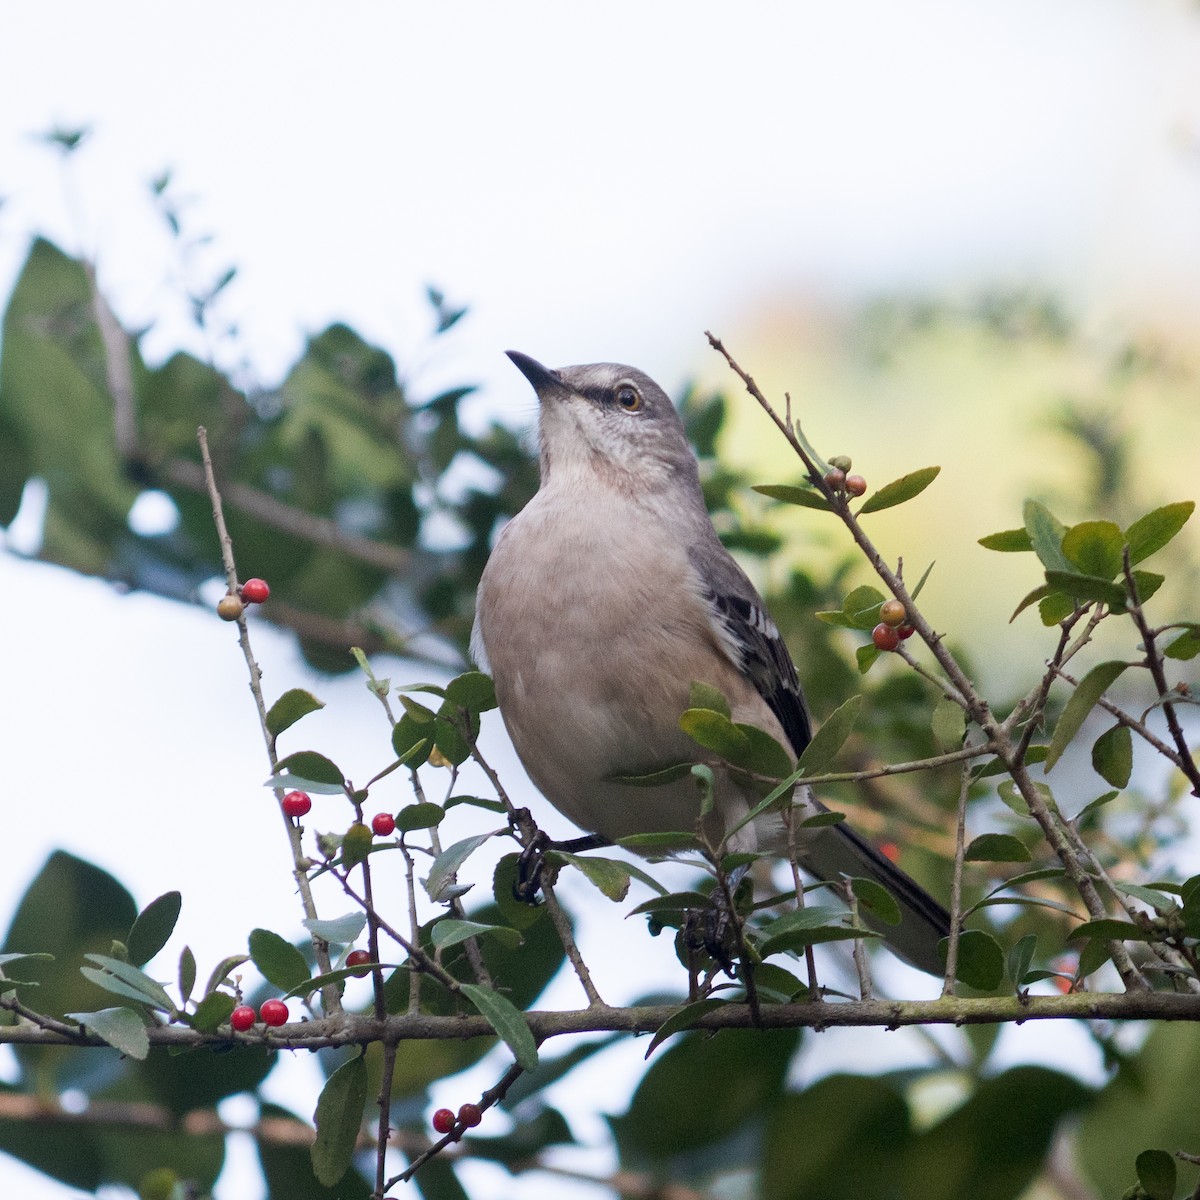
(956, 917)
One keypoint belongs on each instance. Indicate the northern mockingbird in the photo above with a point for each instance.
(605, 598)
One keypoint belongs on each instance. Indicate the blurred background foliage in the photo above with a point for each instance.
(370, 509)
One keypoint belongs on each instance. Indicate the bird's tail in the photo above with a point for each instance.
(838, 850)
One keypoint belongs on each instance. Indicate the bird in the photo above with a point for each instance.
(605, 598)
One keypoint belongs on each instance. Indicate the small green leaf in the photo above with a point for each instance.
(356, 845)
(138, 985)
(1186, 646)
(766, 756)
(861, 607)
(412, 740)
(900, 490)
(473, 690)
(449, 739)
(450, 932)
(153, 927)
(419, 816)
(683, 1019)
(1158, 1175)
(655, 844)
(1054, 608)
(716, 733)
(1110, 930)
(1039, 593)
(949, 723)
(830, 738)
(997, 847)
(340, 931)
(823, 820)
(506, 1019)
(1087, 588)
(222, 971)
(1089, 809)
(289, 708)
(187, 974)
(1046, 533)
(607, 874)
(877, 900)
(1020, 957)
(338, 1118)
(703, 695)
(1147, 583)
(121, 1028)
(655, 778)
(212, 1012)
(313, 767)
(1094, 548)
(1159, 901)
(1153, 531)
(277, 960)
(980, 959)
(1083, 699)
(1112, 756)
(446, 865)
(1009, 541)
(806, 497)
(866, 657)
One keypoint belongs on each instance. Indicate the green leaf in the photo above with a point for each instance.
(356, 845)
(1147, 895)
(1083, 699)
(1046, 533)
(1186, 646)
(121, 1028)
(153, 927)
(446, 865)
(1009, 541)
(683, 1019)
(506, 1019)
(1153, 531)
(980, 959)
(1157, 1174)
(1087, 588)
(997, 847)
(655, 778)
(419, 816)
(1020, 957)
(451, 931)
(277, 960)
(766, 755)
(822, 820)
(313, 767)
(1039, 593)
(1108, 929)
(866, 656)
(473, 690)
(212, 1012)
(222, 971)
(340, 931)
(187, 974)
(1054, 608)
(900, 490)
(877, 900)
(703, 695)
(806, 497)
(1112, 756)
(861, 607)
(949, 723)
(716, 733)
(138, 985)
(830, 738)
(338, 1118)
(412, 739)
(1147, 583)
(289, 708)
(607, 874)
(1094, 547)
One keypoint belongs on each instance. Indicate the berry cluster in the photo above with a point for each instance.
(893, 626)
(469, 1115)
(233, 604)
(841, 482)
(272, 1012)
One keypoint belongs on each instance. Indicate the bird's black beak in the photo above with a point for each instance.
(542, 378)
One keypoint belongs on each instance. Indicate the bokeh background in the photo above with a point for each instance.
(946, 229)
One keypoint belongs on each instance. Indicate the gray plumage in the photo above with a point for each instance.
(606, 597)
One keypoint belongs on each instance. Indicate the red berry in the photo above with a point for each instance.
(230, 607)
(890, 851)
(885, 637)
(358, 958)
(254, 591)
(905, 631)
(856, 485)
(891, 612)
(296, 804)
(443, 1120)
(242, 1018)
(835, 478)
(470, 1115)
(383, 824)
(273, 1012)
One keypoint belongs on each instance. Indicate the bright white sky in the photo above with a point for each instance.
(596, 182)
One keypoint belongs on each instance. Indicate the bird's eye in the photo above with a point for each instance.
(629, 398)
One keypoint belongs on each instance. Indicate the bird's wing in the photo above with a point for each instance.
(747, 635)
